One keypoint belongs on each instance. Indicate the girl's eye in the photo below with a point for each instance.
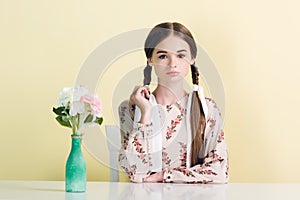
(162, 56)
(181, 55)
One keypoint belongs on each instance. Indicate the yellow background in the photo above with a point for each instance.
(254, 44)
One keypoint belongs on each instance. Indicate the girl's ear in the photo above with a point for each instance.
(150, 63)
(192, 61)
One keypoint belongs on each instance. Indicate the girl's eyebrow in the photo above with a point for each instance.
(182, 50)
(161, 52)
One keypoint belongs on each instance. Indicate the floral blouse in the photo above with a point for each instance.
(136, 149)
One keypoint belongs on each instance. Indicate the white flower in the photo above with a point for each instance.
(79, 91)
(65, 97)
(77, 107)
(71, 94)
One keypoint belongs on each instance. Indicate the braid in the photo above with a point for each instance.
(147, 74)
(195, 74)
(197, 122)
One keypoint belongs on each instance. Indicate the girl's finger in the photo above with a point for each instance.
(146, 92)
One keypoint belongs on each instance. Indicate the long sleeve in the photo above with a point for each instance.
(215, 166)
(135, 153)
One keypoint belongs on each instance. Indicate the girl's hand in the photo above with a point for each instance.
(157, 177)
(138, 97)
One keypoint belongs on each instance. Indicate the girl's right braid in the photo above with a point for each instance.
(195, 74)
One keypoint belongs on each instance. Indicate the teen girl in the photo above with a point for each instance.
(171, 135)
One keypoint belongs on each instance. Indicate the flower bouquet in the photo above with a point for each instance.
(77, 109)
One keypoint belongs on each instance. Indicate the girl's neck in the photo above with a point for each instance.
(168, 95)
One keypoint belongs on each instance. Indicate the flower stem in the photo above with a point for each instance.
(74, 125)
(78, 120)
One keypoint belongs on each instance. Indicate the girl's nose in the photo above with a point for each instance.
(173, 61)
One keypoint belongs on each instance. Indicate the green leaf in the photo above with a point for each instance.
(59, 110)
(99, 120)
(62, 122)
(88, 119)
(66, 118)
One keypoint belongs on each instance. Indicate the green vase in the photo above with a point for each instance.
(76, 167)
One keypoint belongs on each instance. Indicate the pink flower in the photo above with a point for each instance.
(94, 102)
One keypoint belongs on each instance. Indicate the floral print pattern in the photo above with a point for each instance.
(165, 158)
(168, 107)
(183, 154)
(136, 155)
(172, 129)
(139, 149)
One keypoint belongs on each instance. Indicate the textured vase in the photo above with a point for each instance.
(76, 167)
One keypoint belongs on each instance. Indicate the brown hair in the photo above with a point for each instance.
(156, 35)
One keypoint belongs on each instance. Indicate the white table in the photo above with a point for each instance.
(54, 190)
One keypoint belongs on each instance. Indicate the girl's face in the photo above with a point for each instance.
(171, 59)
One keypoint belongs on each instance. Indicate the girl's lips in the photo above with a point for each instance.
(173, 73)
